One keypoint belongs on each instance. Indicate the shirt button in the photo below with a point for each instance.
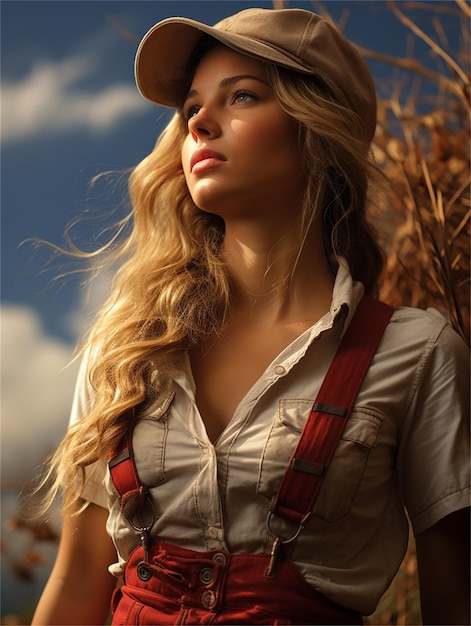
(279, 370)
(208, 599)
(213, 532)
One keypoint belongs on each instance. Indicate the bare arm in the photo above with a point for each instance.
(443, 553)
(80, 586)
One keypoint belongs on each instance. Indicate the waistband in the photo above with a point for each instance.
(227, 586)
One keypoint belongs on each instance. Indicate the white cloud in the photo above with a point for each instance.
(37, 381)
(81, 318)
(36, 393)
(50, 100)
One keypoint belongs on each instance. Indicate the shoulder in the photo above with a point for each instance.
(427, 323)
(422, 332)
(420, 356)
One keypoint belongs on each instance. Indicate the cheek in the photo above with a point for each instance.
(269, 138)
(185, 158)
(253, 139)
(285, 136)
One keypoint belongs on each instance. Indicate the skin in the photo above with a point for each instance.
(257, 189)
(79, 588)
(444, 570)
(231, 109)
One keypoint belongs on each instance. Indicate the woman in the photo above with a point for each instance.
(249, 255)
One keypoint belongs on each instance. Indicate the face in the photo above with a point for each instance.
(241, 154)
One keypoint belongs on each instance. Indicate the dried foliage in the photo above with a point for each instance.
(24, 562)
(422, 146)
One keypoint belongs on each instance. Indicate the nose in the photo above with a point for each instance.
(203, 125)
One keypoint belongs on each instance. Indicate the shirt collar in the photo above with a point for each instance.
(346, 294)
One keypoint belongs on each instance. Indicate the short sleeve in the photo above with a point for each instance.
(433, 456)
(95, 489)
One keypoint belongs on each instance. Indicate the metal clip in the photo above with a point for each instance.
(145, 544)
(143, 570)
(274, 555)
(142, 522)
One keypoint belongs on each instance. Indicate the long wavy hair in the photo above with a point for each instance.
(172, 287)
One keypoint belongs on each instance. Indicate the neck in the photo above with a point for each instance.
(273, 277)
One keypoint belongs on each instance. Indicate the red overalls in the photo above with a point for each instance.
(166, 584)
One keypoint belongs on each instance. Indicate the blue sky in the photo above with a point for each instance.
(70, 110)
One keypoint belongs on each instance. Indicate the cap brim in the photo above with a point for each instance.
(161, 65)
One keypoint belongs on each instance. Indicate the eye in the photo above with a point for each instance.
(241, 97)
(190, 111)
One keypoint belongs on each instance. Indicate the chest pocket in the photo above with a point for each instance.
(346, 470)
(149, 441)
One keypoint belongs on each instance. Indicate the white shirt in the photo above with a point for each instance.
(406, 443)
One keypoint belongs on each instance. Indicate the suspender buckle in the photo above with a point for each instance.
(294, 535)
(138, 509)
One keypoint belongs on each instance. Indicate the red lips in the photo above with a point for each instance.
(205, 154)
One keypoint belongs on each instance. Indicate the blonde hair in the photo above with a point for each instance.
(337, 163)
(173, 288)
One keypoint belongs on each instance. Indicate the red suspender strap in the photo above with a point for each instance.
(331, 409)
(124, 475)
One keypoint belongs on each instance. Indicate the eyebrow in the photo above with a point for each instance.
(225, 82)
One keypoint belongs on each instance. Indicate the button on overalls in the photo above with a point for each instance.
(167, 584)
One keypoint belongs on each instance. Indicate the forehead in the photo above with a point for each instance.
(220, 61)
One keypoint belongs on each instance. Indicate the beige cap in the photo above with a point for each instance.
(296, 39)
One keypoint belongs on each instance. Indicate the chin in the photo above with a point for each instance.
(215, 202)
